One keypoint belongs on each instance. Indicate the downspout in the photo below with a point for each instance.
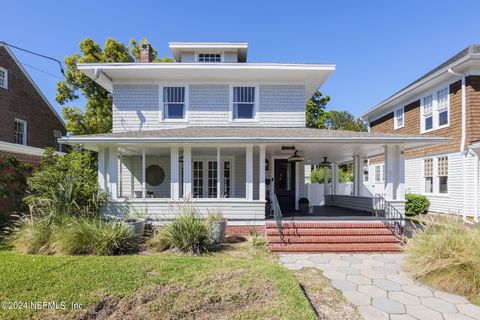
(463, 138)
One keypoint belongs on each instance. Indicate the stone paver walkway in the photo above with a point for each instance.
(381, 290)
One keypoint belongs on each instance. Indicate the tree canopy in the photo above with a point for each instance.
(344, 120)
(97, 117)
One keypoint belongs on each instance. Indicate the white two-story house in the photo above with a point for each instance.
(227, 134)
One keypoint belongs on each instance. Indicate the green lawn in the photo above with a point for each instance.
(241, 286)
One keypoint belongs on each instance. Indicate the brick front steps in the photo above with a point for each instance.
(317, 237)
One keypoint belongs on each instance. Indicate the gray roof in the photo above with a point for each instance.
(247, 133)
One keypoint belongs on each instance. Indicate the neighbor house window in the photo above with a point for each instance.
(3, 78)
(443, 175)
(428, 112)
(20, 130)
(442, 107)
(399, 118)
(174, 102)
(379, 173)
(209, 57)
(56, 135)
(428, 175)
(243, 102)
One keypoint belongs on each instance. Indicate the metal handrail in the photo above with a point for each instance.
(392, 218)
(277, 213)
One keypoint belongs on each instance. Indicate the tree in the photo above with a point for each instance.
(315, 111)
(97, 117)
(344, 120)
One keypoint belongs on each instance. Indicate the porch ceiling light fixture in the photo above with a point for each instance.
(295, 157)
(325, 163)
(288, 149)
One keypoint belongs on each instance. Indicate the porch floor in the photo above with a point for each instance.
(330, 213)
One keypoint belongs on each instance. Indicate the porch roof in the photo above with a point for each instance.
(242, 135)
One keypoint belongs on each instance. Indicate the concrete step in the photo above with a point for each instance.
(327, 225)
(334, 239)
(335, 247)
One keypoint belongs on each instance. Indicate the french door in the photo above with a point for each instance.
(205, 179)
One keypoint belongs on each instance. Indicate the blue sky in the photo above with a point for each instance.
(378, 46)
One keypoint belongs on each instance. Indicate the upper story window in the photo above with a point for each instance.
(56, 135)
(435, 110)
(20, 131)
(244, 103)
(174, 102)
(399, 118)
(3, 78)
(209, 57)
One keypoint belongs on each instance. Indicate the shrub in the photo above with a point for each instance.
(93, 236)
(160, 241)
(447, 257)
(416, 203)
(216, 216)
(188, 232)
(258, 242)
(34, 237)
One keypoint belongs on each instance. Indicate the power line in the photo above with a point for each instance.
(36, 54)
(38, 69)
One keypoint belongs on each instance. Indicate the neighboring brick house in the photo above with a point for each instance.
(444, 102)
(28, 122)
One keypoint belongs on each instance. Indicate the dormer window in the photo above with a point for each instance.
(244, 103)
(209, 57)
(174, 102)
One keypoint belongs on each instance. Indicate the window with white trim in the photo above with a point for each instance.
(20, 131)
(379, 173)
(226, 179)
(198, 179)
(428, 174)
(209, 57)
(442, 107)
(443, 174)
(212, 179)
(174, 102)
(3, 78)
(399, 118)
(428, 112)
(243, 102)
(205, 178)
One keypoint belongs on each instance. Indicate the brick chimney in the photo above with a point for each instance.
(145, 52)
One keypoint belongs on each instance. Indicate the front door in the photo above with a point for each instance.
(284, 182)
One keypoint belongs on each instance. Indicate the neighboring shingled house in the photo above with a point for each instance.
(28, 122)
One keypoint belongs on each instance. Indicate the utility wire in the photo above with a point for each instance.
(37, 54)
(40, 70)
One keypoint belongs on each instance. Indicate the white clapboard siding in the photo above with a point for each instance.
(136, 107)
(162, 209)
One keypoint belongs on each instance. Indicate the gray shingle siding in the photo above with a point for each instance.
(136, 107)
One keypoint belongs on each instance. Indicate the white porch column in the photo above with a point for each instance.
(334, 177)
(356, 175)
(187, 172)
(261, 165)
(326, 190)
(113, 171)
(144, 169)
(390, 166)
(249, 172)
(174, 170)
(399, 187)
(219, 168)
(101, 169)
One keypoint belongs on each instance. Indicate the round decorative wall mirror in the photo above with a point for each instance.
(155, 175)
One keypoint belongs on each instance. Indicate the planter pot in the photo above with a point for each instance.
(217, 230)
(137, 225)
(304, 208)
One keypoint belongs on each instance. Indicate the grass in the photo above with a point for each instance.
(235, 283)
(447, 256)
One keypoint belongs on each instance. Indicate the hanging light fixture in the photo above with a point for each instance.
(295, 157)
(325, 163)
(288, 149)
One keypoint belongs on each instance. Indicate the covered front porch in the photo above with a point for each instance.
(249, 174)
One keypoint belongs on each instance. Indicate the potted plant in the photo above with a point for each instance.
(303, 204)
(137, 225)
(218, 226)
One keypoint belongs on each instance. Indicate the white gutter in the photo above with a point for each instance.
(463, 139)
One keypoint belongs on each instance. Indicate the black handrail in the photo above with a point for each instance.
(391, 217)
(277, 213)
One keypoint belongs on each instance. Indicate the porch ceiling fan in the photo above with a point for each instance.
(325, 163)
(295, 157)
